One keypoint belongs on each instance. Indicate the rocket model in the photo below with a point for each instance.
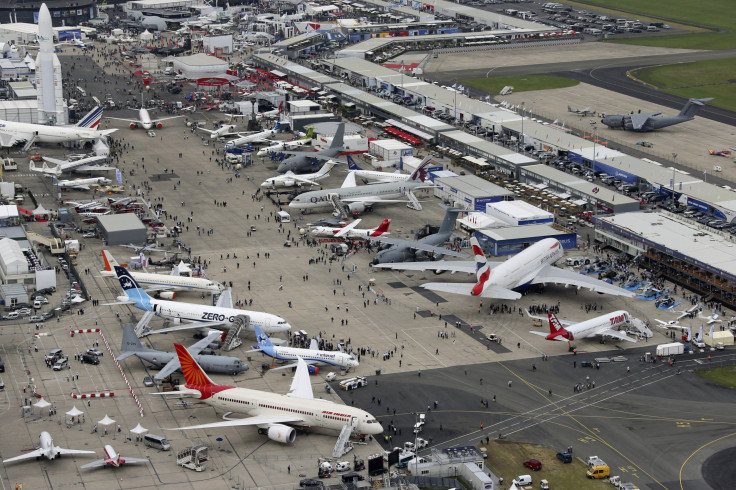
(51, 108)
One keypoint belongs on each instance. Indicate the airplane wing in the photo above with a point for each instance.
(195, 349)
(345, 229)
(136, 460)
(561, 276)
(639, 120)
(302, 179)
(10, 139)
(420, 246)
(467, 287)
(295, 364)
(616, 334)
(301, 385)
(33, 454)
(154, 122)
(188, 326)
(61, 450)
(257, 420)
(135, 121)
(438, 265)
(226, 299)
(546, 319)
(95, 464)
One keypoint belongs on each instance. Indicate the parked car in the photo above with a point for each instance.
(94, 352)
(61, 364)
(35, 319)
(148, 382)
(311, 482)
(90, 359)
(533, 464)
(565, 457)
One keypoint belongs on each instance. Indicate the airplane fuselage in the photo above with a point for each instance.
(592, 328)
(520, 269)
(333, 358)
(174, 283)
(45, 134)
(178, 312)
(321, 199)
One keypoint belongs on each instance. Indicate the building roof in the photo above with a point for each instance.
(201, 59)
(12, 258)
(120, 222)
(519, 210)
(520, 232)
(473, 186)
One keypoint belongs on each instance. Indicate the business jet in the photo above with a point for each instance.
(359, 198)
(608, 325)
(222, 316)
(502, 279)
(671, 325)
(113, 459)
(264, 135)
(281, 145)
(690, 312)
(164, 286)
(144, 120)
(711, 319)
(87, 164)
(350, 231)
(272, 114)
(290, 179)
(224, 129)
(13, 133)
(311, 356)
(376, 175)
(82, 184)
(47, 450)
(275, 415)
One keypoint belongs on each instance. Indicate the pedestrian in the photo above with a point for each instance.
(288, 469)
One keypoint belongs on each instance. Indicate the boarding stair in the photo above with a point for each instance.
(142, 329)
(343, 444)
(232, 339)
(413, 202)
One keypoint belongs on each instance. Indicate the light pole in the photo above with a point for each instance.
(454, 114)
(521, 136)
(704, 174)
(674, 160)
(595, 128)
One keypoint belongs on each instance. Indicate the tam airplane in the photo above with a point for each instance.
(113, 459)
(607, 325)
(163, 285)
(144, 120)
(350, 231)
(47, 450)
(533, 265)
(274, 414)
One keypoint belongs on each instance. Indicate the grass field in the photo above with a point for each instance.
(505, 460)
(713, 78)
(725, 376)
(521, 83)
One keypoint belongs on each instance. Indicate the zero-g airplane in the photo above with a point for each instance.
(168, 362)
(47, 450)
(13, 133)
(533, 265)
(311, 356)
(349, 231)
(113, 459)
(275, 415)
(303, 161)
(427, 248)
(264, 135)
(144, 120)
(163, 285)
(290, 179)
(87, 164)
(359, 198)
(221, 316)
(647, 121)
(607, 325)
(280, 145)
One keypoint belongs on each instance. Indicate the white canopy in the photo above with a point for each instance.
(106, 421)
(139, 429)
(146, 36)
(42, 403)
(40, 211)
(74, 412)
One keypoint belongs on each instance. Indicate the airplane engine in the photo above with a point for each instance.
(133, 125)
(356, 207)
(159, 125)
(167, 295)
(281, 433)
(289, 183)
(313, 369)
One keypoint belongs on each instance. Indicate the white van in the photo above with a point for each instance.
(522, 480)
(180, 78)
(156, 442)
(283, 217)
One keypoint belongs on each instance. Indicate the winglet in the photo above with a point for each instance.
(109, 260)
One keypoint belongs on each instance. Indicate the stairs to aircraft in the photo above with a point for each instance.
(232, 339)
(343, 444)
(142, 329)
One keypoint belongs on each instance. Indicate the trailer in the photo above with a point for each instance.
(193, 457)
(353, 383)
(672, 349)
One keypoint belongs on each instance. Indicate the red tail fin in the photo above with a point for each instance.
(281, 107)
(193, 374)
(554, 324)
(382, 228)
(107, 264)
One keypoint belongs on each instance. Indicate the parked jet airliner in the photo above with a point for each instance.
(607, 325)
(144, 120)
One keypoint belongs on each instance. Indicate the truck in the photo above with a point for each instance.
(353, 383)
(671, 349)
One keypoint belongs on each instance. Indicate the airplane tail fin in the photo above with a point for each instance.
(194, 376)
(133, 290)
(281, 107)
(338, 139)
(310, 133)
(92, 119)
(326, 168)
(131, 343)
(482, 267)
(421, 172)
(554, 324)
(351, 164)
(277, 128)
(448, 223)
(382, 228)
(109, 260)
(263, 341)
(693, 106)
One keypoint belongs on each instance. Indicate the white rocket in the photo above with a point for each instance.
(51, 109)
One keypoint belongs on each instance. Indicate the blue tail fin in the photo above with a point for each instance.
(91, 119)
(351, 164)
(263, 341)
(277, 127)
(132, 290)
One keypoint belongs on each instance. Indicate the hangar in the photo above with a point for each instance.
(514, 239)
(200, 65)
(469, 192)
(121, 229)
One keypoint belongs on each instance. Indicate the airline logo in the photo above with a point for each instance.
(554, 324)
(262, 339)
(194, 376)
(482, 269)
(619, 319)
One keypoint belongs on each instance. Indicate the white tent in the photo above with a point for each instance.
(41, 212)
(73, 414)
(106, 421)
(138, 430)
(42, 404)
(146, 36)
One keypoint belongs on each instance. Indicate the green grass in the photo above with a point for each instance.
(707, 41)
(712, 13)
(522, 83)
(725, 376)
(712, 78)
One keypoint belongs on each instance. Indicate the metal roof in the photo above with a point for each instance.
(517, 232)
(473, 186)
(120, 222)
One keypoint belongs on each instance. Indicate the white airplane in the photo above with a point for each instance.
(164, 285)
(223, 130)
(710, 319)
(376, 175)
(144, 120)
(290, 179)
(12, 133)
(310, 356)
(255, 137)
(47, 450)
(92, 214)
(222, 316)
(272, 114)
(672, 324)
(86, 164)
(113, 459)
(350, 231)
(501, 279)
(82, 184)
(283, 145)
(275, 415)
(608, 325)
(689, 312)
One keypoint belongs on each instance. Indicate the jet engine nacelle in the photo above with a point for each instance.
(133, 125)
(357, 207)
(313, 369)
(281, 433)
(287, 183)
(159, 125)
(167, 295)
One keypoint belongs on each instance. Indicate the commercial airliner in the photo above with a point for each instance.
(275, 415)
(163, 285)
(350, 231)
(376, 175)
(47, 450)
(264, 135)
(311, 356)
(222, 316)
(281, 145)
(501, 279)
(144, 120)
(608, 325)
(113, 459)
(290, 179)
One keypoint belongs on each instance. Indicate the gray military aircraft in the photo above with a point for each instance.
(583, 112)
(427, 248)
(646, 121)
(309, 161)
(168, 362)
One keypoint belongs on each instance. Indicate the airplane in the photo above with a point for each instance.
(359, 198)
(304, 140)
(350, 231)
(168, 362)
(601, 326)
(583, 112)
(271, 412)
(13, 133)
(224, 129)
(47, 450)
(690, 312)
(81, 184)
(113, 459)
(144, 120)
(303, 161)
(197, 316)
(710, 319)
(87, 164)
(646, 121)
(427, 248)
(721, 153)
(138, 249)
(77, 43)
(501, 280)
(310, 356)
(264, 135)
(376, 175)
(672, 324)
(272, 114)
(163, 285)
(290, 179)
